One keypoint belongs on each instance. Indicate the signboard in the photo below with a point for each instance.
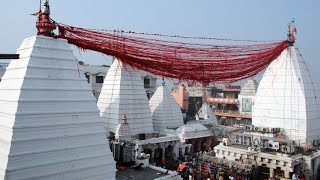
(246, 104)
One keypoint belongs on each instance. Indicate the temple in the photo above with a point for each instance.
(288, 98)
(50, 124)
(284, 137)
(165, 111)
(63, 119)
(123, 93)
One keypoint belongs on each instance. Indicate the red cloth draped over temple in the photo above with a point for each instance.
(202, 62)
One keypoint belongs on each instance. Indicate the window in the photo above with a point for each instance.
(99, 79)
(88, 78)
(146, 82)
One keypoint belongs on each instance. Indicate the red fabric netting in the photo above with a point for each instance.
(184, 61)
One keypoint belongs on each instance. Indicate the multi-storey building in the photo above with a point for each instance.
(96, 74)
(232, 104)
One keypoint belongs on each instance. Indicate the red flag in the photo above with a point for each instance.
(294, 31)
(36, 14)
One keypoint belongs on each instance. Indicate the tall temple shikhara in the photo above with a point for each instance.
(123, 93)
(50, 126)
(165, 111)
(287, 97)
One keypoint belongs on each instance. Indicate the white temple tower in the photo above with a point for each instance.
(165, 111)
(50, 124)
(123, 93)
(288, 98)
(206, 114)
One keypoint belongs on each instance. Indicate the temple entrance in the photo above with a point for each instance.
(169, 153)
(158, 155)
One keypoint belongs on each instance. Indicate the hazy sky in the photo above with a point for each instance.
(246, 19)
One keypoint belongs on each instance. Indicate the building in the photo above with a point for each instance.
(287, 97)
(197, 135)
(283, 140)
(165, 111)
(195, 99)
(123, 93)
(149, 83)
(96, 74)
(182, 97)
(50, 125)
(139, 127)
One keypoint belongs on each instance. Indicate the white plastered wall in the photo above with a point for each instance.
(288, 98)
(123, 93)
(50, 126)
(165, 111)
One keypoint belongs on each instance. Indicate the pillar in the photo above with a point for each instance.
(193, 143)
(176, 150)
(163, 159)
(199, 144)
(152, 156)
(271, 173)
(183, 151)
(287, 174)
(208, 143)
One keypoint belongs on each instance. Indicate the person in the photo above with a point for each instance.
(303, 177)
(231, 177)
(295, 176)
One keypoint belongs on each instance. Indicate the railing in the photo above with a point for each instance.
(223, 100)
(226, 111)
(231, 113)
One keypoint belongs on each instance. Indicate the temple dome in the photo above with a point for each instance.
(165, 111)
(288, 98)
(50, 123)
(123, 130)
(123, 93)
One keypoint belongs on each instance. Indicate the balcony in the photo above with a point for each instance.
(231, 113)
(222, 101)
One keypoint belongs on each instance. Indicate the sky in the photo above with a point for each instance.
(246, 19)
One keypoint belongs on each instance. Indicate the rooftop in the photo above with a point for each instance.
(142, 174)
